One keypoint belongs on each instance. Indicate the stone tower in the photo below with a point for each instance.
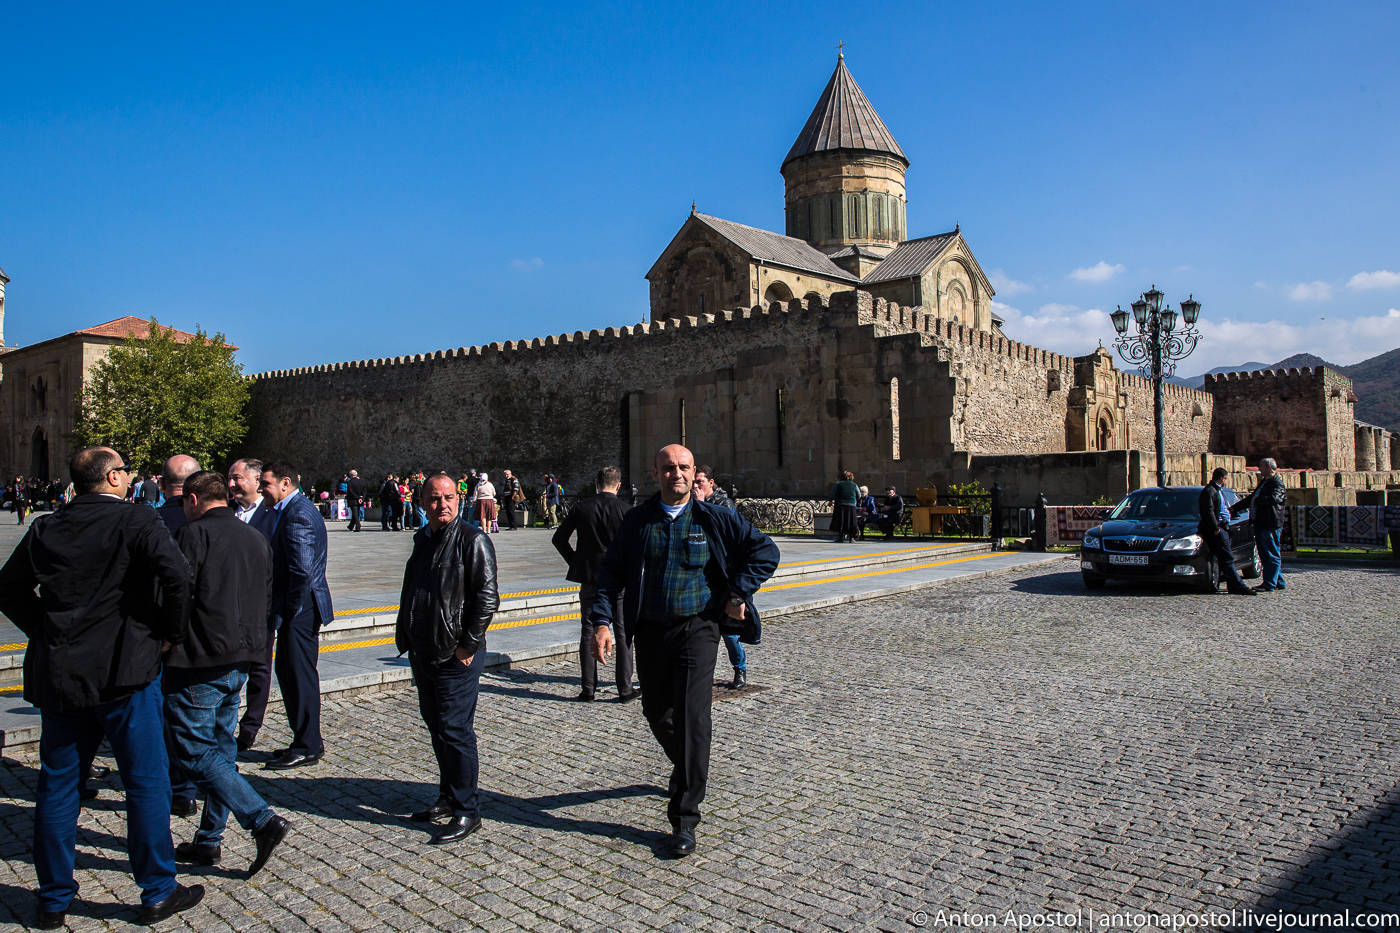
(4, 280)
(845, 179)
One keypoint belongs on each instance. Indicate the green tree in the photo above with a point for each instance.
(156, 396)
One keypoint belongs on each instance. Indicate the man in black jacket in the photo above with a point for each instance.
(689, 571)
(1214, 528)
(355, 494)
(595, 520)
(390, 504)
(92, 667)
(449, 595)
(1270, 502)
(231, 565)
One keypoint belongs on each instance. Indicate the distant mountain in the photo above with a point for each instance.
(1299, 360)
(1195, 382)
(1377, 383)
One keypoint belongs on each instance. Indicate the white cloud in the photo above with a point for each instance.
(1261, 284)
(1074, 332)
(527, 265)
(1006, 285)
(1378, 279)
(1310, 291)
(1099, 272)
(1061, 328)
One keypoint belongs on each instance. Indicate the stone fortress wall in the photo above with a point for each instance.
(779, 398)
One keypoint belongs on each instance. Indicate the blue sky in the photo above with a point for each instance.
(346, 182)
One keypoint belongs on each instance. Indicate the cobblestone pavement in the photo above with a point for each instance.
(1004, 743)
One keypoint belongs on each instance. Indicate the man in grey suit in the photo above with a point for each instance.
(301, 604)
(247, 503)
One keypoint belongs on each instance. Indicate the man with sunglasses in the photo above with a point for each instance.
(92, 667)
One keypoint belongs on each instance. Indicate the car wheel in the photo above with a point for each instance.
(1093, 582)
(1210, 581)
(1252, 570)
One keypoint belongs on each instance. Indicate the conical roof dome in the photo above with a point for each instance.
(844, 119)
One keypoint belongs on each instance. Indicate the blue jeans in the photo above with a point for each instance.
(737, 659)
(69, 740)
(1271, 557)
(201, 710)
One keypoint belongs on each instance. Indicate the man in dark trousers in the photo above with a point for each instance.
(301, 604)
(595, 520)
(92, 668)
(1214, 529)
(687, 571)
(449, 596)
(355, 495)
(1270, 502)
(506, 498)
(247, 503)
(390, 504)
(891, 511)
(172, 513)
(231, 567)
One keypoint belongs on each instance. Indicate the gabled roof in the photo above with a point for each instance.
(776, 248)
(910, 258)
(844, 119)
(130, 326)
(3, 277)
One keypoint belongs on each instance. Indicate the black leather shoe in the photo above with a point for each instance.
(99, 772)
(183, 899)
(183, 806)
(457, 829)
(292, 760)
(51, 920)
(268, 838)
(1247, 591)
(87, 793)
(198, 853)
(683, 841)
(440, 810)
(246, 740)
(629, 697)
(585, 697)
(741, 679)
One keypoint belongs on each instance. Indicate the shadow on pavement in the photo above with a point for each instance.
(1357, 869)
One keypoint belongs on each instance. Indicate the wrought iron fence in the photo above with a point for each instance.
(782, 514)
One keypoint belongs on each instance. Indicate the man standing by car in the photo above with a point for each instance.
(449, 595)
(1214, 529)
(1270, 502)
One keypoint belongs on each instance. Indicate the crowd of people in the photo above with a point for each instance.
(23, 496)
(145, 625)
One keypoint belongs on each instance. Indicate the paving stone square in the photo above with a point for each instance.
(1005, 743)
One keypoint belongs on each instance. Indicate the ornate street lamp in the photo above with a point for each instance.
(1155, 348)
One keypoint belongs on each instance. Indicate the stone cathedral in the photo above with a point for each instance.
(780, 360)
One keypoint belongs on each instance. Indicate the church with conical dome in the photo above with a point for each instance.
(846, 228)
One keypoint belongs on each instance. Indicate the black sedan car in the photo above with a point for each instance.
(1151, 536)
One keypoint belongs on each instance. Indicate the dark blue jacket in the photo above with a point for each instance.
(299, 564)
(742, 558)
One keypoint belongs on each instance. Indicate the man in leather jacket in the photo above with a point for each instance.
(1270, 502)
(449, 596)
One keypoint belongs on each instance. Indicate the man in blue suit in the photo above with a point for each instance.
(301, 604)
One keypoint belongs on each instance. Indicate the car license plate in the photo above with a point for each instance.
(1136, 559)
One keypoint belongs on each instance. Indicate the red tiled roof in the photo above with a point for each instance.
(131, 326)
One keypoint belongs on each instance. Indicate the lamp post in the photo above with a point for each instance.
(1155, 348)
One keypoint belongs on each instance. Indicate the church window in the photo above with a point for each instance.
(702, 302)
(894, 418)
(879, 217)
(680, 413)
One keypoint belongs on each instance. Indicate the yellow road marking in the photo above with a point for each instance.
(13, 689)
(879, 573)
(13, 647)
(908, 550)
(359, 612)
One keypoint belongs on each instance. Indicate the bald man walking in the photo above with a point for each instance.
(686, 571)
